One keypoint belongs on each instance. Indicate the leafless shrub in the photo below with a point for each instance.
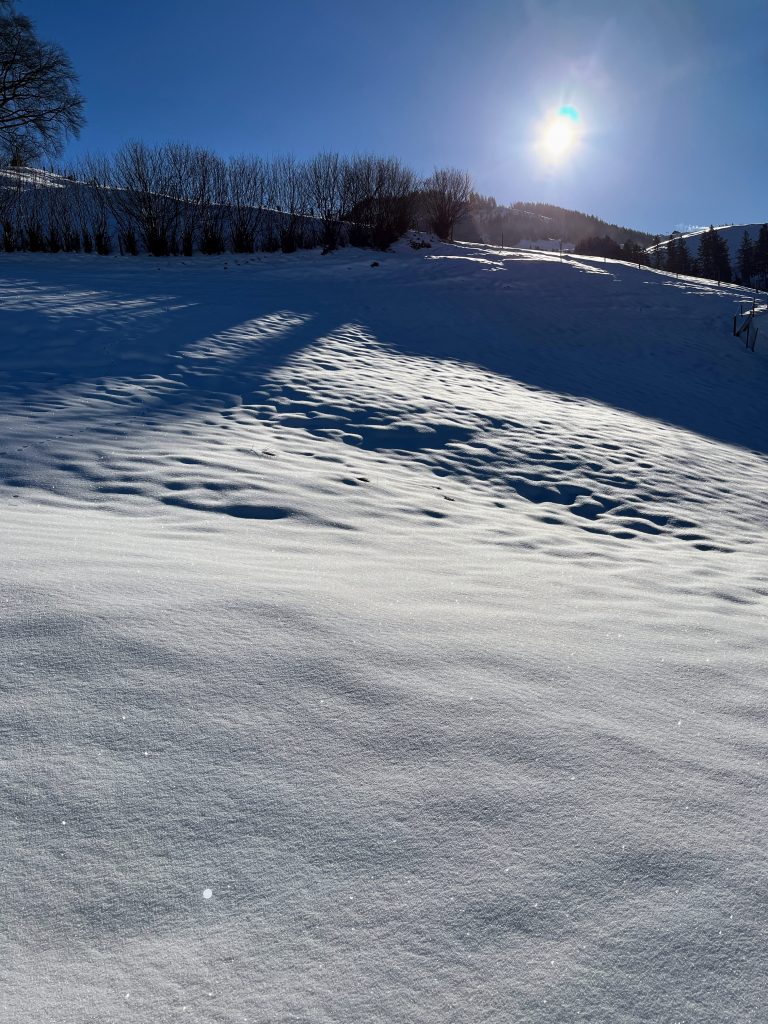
(326, 182)
(143, 200)
(383, 193)
(446, 197)
(247, 194)
(290, 189)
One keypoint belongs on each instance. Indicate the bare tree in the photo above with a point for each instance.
(446, 199)
(76, 200)
(176, 198)
(289, 187)
(10, 202)
(32, 220)
(247, 198)
(380, 197)
(359, 188)
(60, 212)
(39, 102)
(212, 174)
(395, 194)
(184, 192)
(325, 181)
(144, 201)
(96, 205)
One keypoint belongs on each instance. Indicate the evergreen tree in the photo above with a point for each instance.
(713, 260)
(761, 257)
(631, 252)
(745, 260)
(683, 257)
(672, 262)
(723, 270)
(597, 246)
(657, 254)
(706, 257)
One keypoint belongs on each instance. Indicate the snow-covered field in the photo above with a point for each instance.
(380, 644)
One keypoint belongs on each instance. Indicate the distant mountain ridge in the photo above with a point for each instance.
(488, 221)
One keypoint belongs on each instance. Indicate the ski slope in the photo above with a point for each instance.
(380, 644)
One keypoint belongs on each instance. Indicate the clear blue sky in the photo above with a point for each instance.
(671, 94)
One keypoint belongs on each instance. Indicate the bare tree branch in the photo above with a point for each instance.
(40, 105)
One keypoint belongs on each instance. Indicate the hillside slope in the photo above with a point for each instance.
(380, 643)
(490, 222)
(732, 233)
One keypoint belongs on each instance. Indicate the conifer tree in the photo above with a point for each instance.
(745, 260)
(657, 253)
(685, 265)
(631, 252)
(723, 270)
(714, 260)
(761, 257)
(706, 257)
(672, 263)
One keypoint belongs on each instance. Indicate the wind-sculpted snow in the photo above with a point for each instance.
(380, 643)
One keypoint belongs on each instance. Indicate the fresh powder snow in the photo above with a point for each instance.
(381, 643)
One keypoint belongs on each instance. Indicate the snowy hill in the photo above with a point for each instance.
(491, 222)
(380, 643)
(732, 233)
(28, 177)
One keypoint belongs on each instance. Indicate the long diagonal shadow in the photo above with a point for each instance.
(672, 360)
(225, 335)
(131, 362)
(170, 353)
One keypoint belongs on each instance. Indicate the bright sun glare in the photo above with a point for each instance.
(559, 134)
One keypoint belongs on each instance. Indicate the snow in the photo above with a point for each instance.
(546, 244)
(380, 643)
(37, 176)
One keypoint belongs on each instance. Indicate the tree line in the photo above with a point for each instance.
(604, 245)
(712, 259)
(176, 199)
(752, 259)
(179, 199)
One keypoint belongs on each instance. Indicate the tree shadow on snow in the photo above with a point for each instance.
(204, 339)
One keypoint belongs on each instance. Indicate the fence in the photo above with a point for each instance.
(744, 324)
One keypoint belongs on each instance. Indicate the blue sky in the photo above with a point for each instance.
(670, 93)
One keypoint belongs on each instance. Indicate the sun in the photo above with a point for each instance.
(559, 134)
(558, 138)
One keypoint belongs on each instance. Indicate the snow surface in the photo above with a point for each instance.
(380, 644)
(13, 177)
(546, 244)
